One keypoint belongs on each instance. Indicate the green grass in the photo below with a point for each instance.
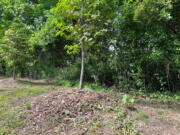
(157, 94)
(93, 86)
(12, 117)
(161, 112)
(28, 106)
(95, 124)
(142, 116)
(67, 83)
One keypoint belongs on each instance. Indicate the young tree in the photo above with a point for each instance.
(84, 22)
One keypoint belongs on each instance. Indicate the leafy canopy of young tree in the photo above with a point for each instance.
(84, 22)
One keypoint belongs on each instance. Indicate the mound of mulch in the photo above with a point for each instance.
(62, 105)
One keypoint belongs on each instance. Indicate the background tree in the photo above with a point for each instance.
(13, 48)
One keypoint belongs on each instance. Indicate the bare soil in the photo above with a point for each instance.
(160, 121)
(9, 83)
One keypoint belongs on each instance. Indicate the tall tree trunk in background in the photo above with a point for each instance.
(82, 68)
(14, 72)
(167, 75)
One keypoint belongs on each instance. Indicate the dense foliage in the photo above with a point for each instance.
(127, 44)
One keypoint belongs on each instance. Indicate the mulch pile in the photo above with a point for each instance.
(60, 105)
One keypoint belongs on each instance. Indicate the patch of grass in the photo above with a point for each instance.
(36, 90)
(28, 106)
(21, 94)
(161, 112)
(128, 128)
(158, 95)
(120, 114)
(5, 96)
(95, 124)
(70, 83)
(29, 90)
(54, 119)
(79, 122)
(96, 106)
(13, 117)
(124, 124)
(67, 83)
(94, 86)
(142, 116)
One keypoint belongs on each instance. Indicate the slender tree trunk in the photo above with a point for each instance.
(82, 68)
(82, 48)
(14, 72)
(167, 75)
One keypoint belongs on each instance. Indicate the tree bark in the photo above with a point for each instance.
(82, 69)
(14, 72)
(82, 48)
(167, 75)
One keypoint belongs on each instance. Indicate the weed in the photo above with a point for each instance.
(95, 87)
(95, 124)
(97, 106)
(160, 112)
(67, 83)
(80, 121)
(125, 125)
(158, 95)
(128, 128)
(142, 116)
(126, 99)
(21, 94)
(120, 114)
(54, 118)
(28, 106)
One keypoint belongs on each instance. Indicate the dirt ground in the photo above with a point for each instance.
(161, 121)
(70, 111)
(8, 83)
